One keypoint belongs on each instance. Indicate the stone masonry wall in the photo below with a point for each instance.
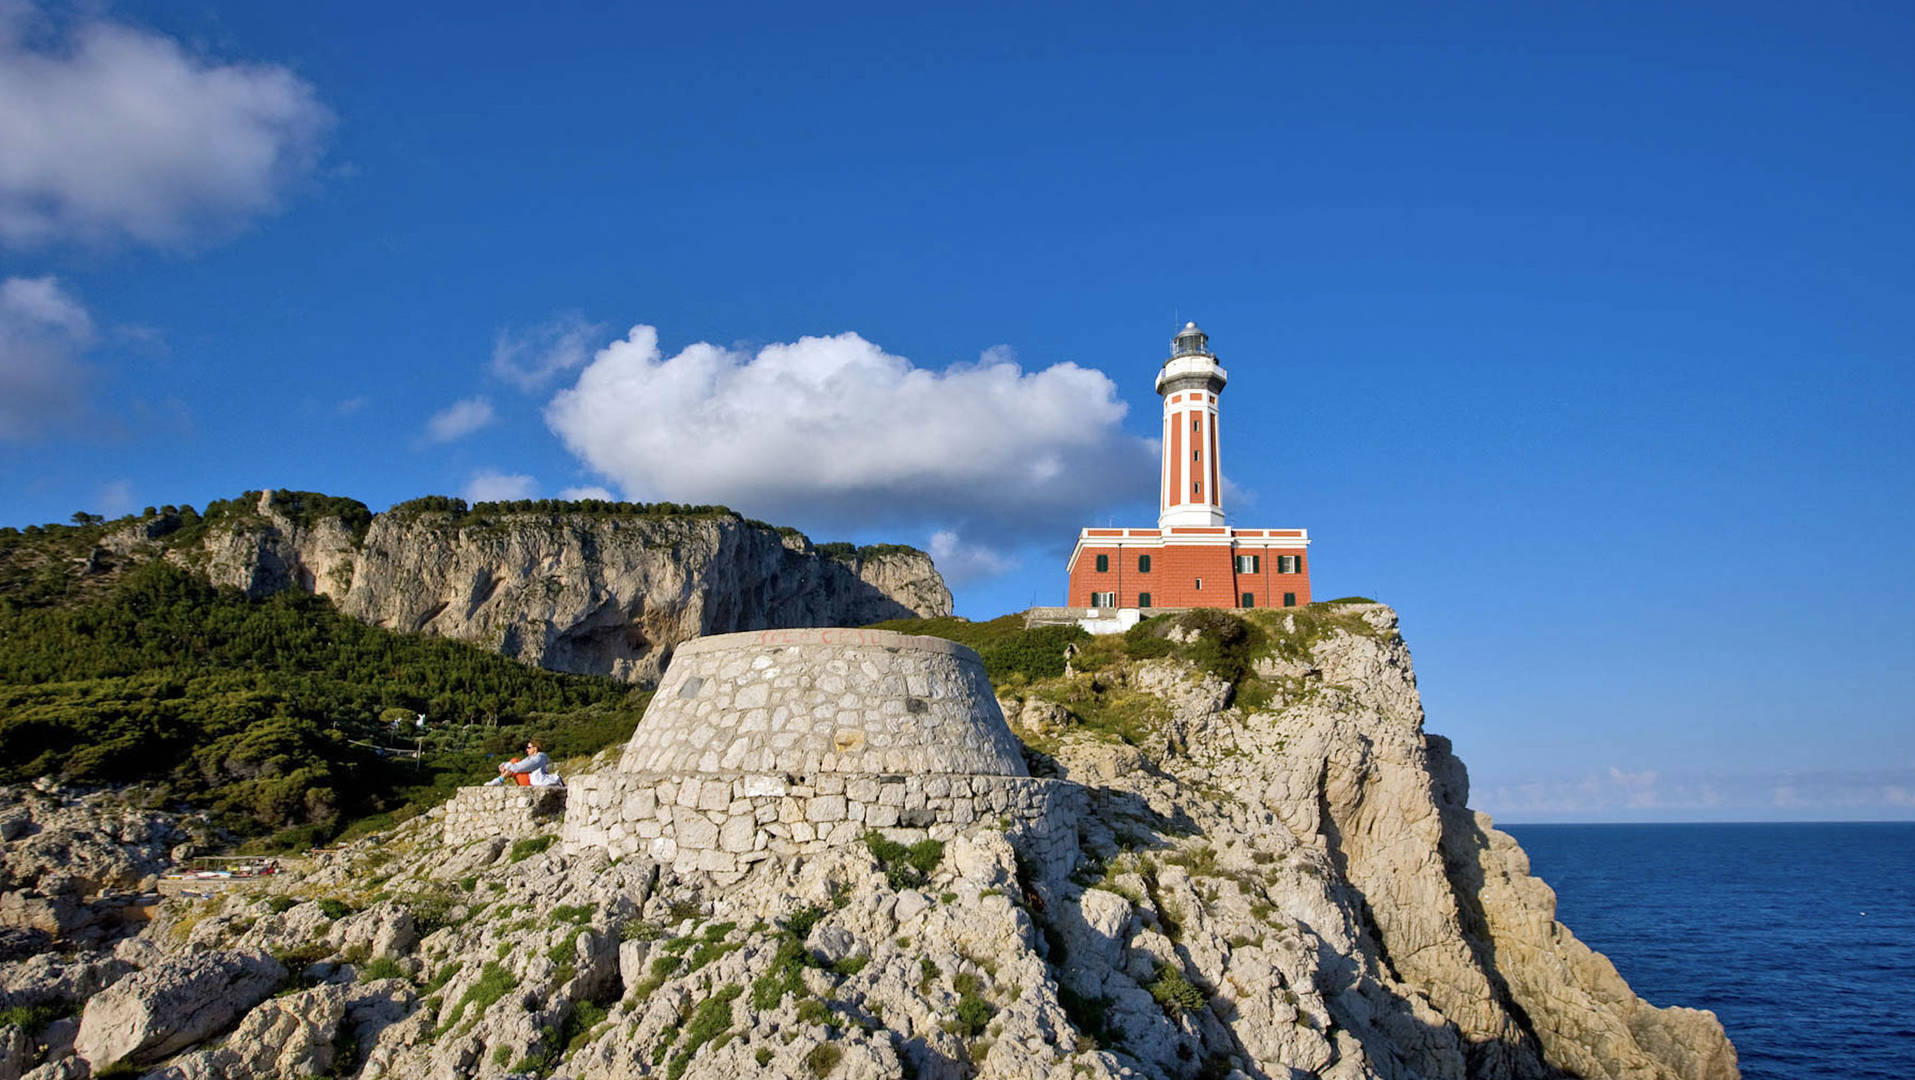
(513, 812)
(808, 702)
(724, 824)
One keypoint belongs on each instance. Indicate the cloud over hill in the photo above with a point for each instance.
(836, 431)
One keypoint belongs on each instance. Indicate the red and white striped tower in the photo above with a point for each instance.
(1190, 383)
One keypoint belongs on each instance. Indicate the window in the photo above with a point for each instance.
(1287, 564)
(1143, 599)
(1249, 600)
(1143, 564)
(1193, 455)
(1103, 599)
(1195, 487)
(1103, 564)
(1200, 584)
(1249, 564)
(1193, 423)
(1289, 599)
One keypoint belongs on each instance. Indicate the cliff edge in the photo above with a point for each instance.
(584, 587)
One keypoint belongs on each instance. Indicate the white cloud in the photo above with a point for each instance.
(961, 563)
(491, 485)
(529, 359)
(112, 131)
(833, 432)
(459, 419)
(589, 492)
(44, 332)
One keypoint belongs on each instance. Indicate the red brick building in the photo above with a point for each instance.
(1191, 559)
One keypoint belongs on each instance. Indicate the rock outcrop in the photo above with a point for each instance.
(1286, 886)
(590, 593)
(68, 859)
(171, 1005)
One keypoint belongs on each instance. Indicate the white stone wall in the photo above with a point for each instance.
(514, 812)
(723, 824)
(813, 702)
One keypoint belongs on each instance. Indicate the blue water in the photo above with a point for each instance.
(1801, 938)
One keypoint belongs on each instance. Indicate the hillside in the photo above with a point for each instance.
(1275, 874)
(589, 587)
(267, 714)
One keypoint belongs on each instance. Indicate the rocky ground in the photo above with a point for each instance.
(1285, 888)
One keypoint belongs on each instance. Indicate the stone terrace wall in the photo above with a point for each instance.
(513, 812)
(808, 702)
(723, 824)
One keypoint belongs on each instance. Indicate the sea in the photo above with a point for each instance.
(1800, 937)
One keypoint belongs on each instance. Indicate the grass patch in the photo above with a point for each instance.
(710, 1020)
(1011, 653)
(381, 967)
(494, 983)
(531, 845)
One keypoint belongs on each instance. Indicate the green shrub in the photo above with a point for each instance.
(904, 867)
(382, 967)
(823, 1058)
(334, 908)
(31, 1018)
(851, 965)
(800, 922)
(1174, 992)
(280, 905)
(974, 1013)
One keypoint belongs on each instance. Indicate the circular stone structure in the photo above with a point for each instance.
(806, 702)
(780, 743)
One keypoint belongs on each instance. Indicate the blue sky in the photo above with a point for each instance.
(1580, 334)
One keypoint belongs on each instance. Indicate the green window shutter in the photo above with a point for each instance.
(1103, 564)
(1143, 600)
(1143, 564)
(1289, 599)
(1249, 600)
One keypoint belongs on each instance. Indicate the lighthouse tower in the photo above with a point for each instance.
(1192, 559)
(1190, 382)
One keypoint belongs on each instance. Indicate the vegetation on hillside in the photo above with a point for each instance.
(270, 713)
(1088, 676)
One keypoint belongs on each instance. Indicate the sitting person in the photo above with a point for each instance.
(534, 769)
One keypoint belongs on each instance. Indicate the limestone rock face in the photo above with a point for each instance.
(148, 1015)
(287, 1036)
(585, 593)
(62, 850)
(1294, 890)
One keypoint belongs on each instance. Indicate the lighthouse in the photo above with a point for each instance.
(1190, 383)
(1194, 557)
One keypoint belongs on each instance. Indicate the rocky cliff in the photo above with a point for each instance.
(606, 593)
(1275, 877)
